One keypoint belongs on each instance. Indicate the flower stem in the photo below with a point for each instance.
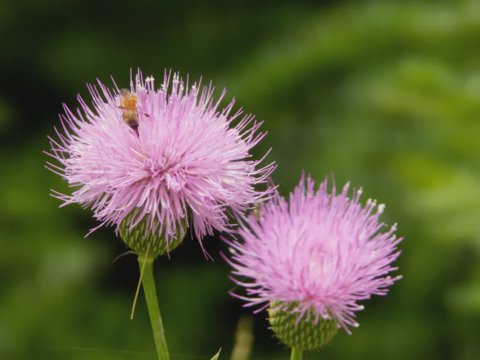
(152, 303)
(296, 354)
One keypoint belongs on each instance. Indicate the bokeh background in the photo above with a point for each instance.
(385, 94)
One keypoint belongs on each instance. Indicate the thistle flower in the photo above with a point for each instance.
(311, 259)
(152, 162)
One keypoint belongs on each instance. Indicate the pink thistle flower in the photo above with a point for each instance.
(165, 157)
(320, 252)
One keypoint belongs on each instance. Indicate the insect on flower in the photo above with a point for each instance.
(187, 164)
(128, 103)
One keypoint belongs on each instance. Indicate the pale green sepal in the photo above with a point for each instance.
(217, 355)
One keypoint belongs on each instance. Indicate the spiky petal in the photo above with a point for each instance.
(318, 250)
(186, 162)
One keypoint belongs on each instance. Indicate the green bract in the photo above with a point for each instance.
(305, 334)
(141, 239)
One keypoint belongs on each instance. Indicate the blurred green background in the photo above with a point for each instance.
(385, 94)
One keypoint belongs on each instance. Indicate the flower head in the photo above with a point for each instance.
(163, 158)
(316, 256)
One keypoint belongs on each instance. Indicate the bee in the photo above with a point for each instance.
(128, 103)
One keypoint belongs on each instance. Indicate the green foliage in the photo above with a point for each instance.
(385, 94)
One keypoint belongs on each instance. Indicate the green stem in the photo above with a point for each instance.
(297, 354)
(146, 263)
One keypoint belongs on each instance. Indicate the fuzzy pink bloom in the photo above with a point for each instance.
(321, 251)
(187, 161)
